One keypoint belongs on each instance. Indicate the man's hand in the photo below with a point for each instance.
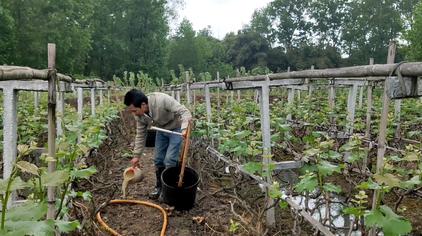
(135, 162)
(184, 133)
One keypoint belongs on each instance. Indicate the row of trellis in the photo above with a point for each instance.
(14, 79)
(400, 81)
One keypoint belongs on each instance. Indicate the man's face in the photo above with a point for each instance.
(138, 111)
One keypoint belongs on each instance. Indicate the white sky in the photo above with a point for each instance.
(223, 16)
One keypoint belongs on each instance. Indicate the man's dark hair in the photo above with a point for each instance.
(135, 97)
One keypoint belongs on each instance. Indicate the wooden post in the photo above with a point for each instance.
(208, 102)
(369, 106)
(178, 95)
(351, 108)
(238, 91)
(218, 92)
(100, 94)
(397, 118)
(108, 94)
(36, 100)
(10, 130)
(266, 140)
(290, 98)
(308, 82)
(360, 97)
(93, 102)
(80, 109)
(51, 191)
(331, 102)
(188, 98)
(382, 141)
(60, 113)
(173, 94)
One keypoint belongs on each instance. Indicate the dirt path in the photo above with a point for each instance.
(230, 204)
(140, 220)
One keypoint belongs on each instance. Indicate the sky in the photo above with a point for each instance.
(223, 16)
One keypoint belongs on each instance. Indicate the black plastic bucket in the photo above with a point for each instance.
(182, 198)
(150, 139)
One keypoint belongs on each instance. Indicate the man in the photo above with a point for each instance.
(163, 111)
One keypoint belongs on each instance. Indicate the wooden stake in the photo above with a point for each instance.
(382, 141)
(51, 191)
(369, 106)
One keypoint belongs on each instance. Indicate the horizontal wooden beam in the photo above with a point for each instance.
(32, 85)
(27, 73)
(412, 69)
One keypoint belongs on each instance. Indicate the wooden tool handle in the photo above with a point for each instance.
(184, 155)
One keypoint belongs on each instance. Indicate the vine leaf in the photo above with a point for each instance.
(390, 222)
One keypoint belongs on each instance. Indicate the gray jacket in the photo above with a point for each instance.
(165, 112)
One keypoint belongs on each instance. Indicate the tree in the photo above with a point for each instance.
(247, 48)
(37, 23)
(184, 49)
(283, 22)
(6, 36)
(129, 36)
(328, 18)
(368, 27)
(414, 36)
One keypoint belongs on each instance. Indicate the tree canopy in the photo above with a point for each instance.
(105, 38)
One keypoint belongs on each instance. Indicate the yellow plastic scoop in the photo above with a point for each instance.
(131, 175)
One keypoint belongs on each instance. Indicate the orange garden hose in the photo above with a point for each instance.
(120, 201)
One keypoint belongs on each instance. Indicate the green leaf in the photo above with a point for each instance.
(35, 228)
(409, 184)
(326, 144)
(369, 185)
(325, 168)
(412, 156)
(56, 178)
(27, 211)
(253, 167)
(83, 173)
(312, 152)
(334, 155)
(67, 226)
(356, 211)
(17, 183)
(388, 179)
(283, 204)
(390, 222)
(87, 196)
(27, 167)
(374, 218)
(274, 191)
(307, 183)
(329, 187)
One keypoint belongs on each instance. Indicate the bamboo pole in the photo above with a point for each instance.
(51, 192)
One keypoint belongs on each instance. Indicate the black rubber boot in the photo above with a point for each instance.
(157, 190)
